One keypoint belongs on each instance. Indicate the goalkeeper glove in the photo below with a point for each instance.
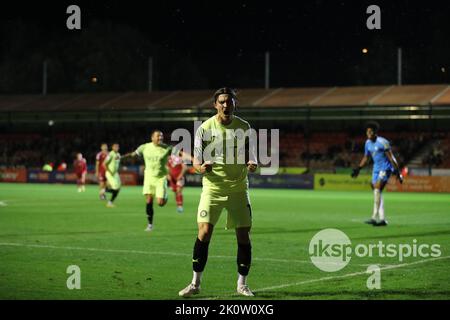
(355, 172)
(399, 176)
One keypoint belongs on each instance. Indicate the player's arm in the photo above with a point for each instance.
(394, 163)
(361, 165)
(183, 170)
(250, 151)
(197, 163)
(129, 155)
(363, 161)
(96, 167)
(187, 157)
(202, 167)
(136, 153)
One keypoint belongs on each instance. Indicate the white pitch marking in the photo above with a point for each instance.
(348, 275)
(13, 244)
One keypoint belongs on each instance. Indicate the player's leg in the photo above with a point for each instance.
(149, 211)
(240, 218)
(244, 260)
(179, 199)
(376, 192)
(161, 191)
(200, 252)
(83, 182)
(179, 194)
(102, 187)
(208, 214)
(115, 184)
(172, 184)
(149, 192)
(199, 259)
(108, 181)
(382, 183)
(78, 182)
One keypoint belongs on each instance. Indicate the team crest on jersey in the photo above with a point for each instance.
(203, 213)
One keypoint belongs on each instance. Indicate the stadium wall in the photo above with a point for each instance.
(36, 176)
(291, 181)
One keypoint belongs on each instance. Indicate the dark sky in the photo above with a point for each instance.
(311, 42)
(252, 25)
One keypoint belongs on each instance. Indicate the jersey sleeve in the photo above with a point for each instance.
(97, 157)
(140, 150)
(198, 144)
(386, 145)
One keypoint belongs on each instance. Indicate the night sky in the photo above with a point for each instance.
(311, 42)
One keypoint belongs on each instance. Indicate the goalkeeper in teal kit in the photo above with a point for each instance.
(384, 165)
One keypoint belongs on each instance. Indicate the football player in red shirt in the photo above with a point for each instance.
(80, 168)
(100, 171)
(177, 169)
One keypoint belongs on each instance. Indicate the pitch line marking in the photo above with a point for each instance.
(14, 244)
(348, 275)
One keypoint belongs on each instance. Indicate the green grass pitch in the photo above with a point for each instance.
(46, 228)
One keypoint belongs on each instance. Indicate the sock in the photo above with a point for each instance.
(149, 210)
(242, 280)
(200, 255)
(197, 278)
(114, 194)
(376, 202)
(381, 210)
(179, 199)
(244, 258)
(102, 191)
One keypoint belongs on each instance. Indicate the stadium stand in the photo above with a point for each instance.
(423, 95)
(321, 147)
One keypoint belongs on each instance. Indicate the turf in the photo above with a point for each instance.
(46, 228)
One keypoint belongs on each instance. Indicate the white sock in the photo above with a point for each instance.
(381, 210)
(376, 202)
(197, 278)
(242, 280)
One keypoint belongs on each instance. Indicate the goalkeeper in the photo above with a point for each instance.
(384, 165)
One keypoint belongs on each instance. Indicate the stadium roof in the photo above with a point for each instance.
(420, 95)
